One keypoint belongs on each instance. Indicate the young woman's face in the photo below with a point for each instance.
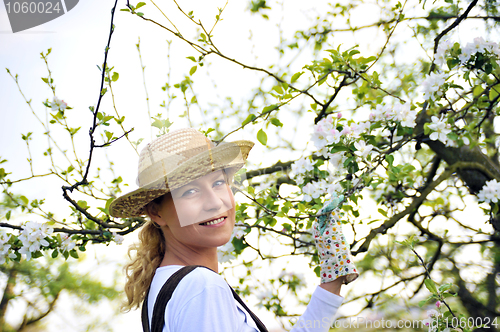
(199, 214)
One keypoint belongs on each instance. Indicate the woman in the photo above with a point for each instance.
(185, 189)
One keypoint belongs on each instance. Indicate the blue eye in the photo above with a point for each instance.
(219, 183)
(189, 192)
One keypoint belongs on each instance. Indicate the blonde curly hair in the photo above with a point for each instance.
(146, 257)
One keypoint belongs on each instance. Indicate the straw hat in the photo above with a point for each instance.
(173, 160)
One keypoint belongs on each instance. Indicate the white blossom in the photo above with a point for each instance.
(382, 113)
(440, 56)
(33, 237)
(363, 150)
(312, 190)
(299, 179)
(319, 139)
(289, 275)
(263, 296)
(439, 129)
(432, 84)
(405, 115)
(58, 104)
(335, 188)
(118, 238)
(239, 232)
(337, 161)
(432, 313)
(324, 132)
(490, 193)
(302, 165)
(333, 136)
(67, 244)
(225, 252)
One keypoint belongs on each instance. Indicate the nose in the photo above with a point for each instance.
(212, 199)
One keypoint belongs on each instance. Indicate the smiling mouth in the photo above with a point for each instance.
(213, 221)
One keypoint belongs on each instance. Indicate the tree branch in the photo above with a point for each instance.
(418, 201)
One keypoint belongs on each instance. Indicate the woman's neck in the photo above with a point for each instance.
(189, 256)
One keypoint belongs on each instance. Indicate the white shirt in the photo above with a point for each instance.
(203, 302)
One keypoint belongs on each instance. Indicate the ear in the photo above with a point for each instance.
(153, 211)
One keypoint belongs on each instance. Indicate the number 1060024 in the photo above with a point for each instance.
(32, 7)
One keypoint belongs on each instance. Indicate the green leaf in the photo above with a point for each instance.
(125, 10)
(278, 89)
(193, 70)
(494, 92)
(24, 199)
(157, 123)
(382, 212)
(191, 58)
(55, 253)
(115, 77)
(83, 204)
(317, 270)
(296, 76)
(73, 254)
(249, 118)
(422, 303)
(140, 4)
(270, 108)
(262, 137)
(276, 122)
(338, 148)
(7, 215)
(431, 286)
(477, 90)
(390, 159)
(140, 14)
(445, 287)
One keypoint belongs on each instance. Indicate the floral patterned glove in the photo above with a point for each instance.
(334, 252)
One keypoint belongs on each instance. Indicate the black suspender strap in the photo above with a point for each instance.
(165, 294)
(260, 325)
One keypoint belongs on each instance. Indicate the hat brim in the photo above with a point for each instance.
(230, 156)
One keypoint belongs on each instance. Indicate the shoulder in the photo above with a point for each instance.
(202, 282)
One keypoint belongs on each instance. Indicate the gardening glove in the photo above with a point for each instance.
(333, 250)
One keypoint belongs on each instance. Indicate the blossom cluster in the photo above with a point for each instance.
(464, 55)
(478, 45)
(432, 85)
(490, 193)
(334, 130)
(398, 112)
(33, 237)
